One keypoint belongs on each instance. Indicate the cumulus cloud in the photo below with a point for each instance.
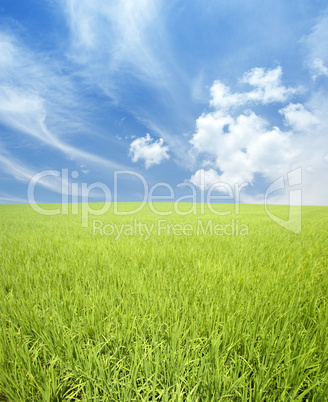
(242, 146)
(267, 85)
(245, 147)
(121, 46)
(152, 152)
(299, 118)
(204, 179)
(210, 130)
(223, 98)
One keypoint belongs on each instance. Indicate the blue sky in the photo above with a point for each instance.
(231, 91)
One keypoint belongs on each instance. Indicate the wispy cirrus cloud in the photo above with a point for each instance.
(38, 100)
(118, 37)
(25, 174)
(155, 64)
(56, 181)
(9, 199)
(27, 114)
(318, 68)
(316, 41)
(122, 47)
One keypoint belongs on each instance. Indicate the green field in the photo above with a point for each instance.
(175, 317)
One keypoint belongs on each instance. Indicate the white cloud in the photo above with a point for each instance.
(272, 153)
(178, 145)
(36, 99)
(204, 179)
(268, 85)
(116, 33)
(10, 199)
(316, 41)
(268, 89)
(121, 45)
(24, 174)
(223, 98)
(245, 147)
(27, 114)
(316, 45)
(299, 118)
(318, 69)
(210, 130)
(198, 91)
(152, 152)
(7, 51)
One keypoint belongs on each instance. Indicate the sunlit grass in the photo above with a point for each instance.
(171, 318)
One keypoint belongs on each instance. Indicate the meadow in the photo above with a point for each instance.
(178, 316)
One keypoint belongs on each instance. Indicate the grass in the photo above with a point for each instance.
(172, 318)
